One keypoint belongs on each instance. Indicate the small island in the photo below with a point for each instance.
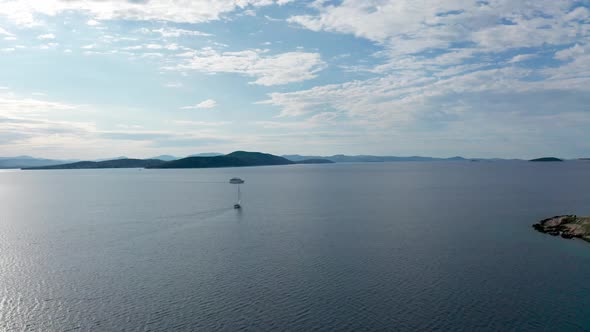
(546, 159)
(568, 226)
(234, 159)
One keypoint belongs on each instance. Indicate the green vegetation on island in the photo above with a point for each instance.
(234, 159)
(546, 159)
(568, 226)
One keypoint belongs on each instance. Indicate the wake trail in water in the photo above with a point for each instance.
(209, 212)
(222, 182)
(171, 223)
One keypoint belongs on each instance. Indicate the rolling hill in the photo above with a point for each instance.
(234, 159)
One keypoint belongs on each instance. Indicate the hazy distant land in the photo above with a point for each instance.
(116, 163)
(234, 159)
(26, 161)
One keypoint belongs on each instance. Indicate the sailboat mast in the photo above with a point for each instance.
(237, 181)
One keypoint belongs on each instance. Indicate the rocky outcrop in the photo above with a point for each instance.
(567, 226)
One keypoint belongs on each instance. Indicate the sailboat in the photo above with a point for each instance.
(237, 181)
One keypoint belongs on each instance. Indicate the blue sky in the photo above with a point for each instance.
(496, 78)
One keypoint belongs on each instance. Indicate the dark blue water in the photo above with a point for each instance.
(351, 247)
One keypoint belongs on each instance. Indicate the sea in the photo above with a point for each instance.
(406, 246)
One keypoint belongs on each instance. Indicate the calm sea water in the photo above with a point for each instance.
(392, 246)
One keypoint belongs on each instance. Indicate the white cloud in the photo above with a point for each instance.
(25, 122)
(23, 12)
(152, 55)
(5, 33)
(440, 63)
(522, 57)
(205, 104)
(135, 47)
(579, 13)
(46, 36)
(444, 68)
(395, 99)
(570, 53)
(153, 46)
(49, 46)
(13, 105)
(315, 121)
(475, 112)
(92, 22)
(174, 32)
(268, 70)
(272, 19)
(574, 74)
(408, 27)
(128, 126)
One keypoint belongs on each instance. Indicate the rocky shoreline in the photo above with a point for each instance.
(566, 226)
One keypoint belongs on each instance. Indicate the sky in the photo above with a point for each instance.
(139, 78)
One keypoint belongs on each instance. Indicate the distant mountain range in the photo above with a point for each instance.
(206, 154)
(212, 159)
(234, 159)
(113, 158)
(165, 157)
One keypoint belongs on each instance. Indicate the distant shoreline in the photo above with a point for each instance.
(236, 159)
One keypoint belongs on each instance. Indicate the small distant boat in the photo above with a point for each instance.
(237, 181)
